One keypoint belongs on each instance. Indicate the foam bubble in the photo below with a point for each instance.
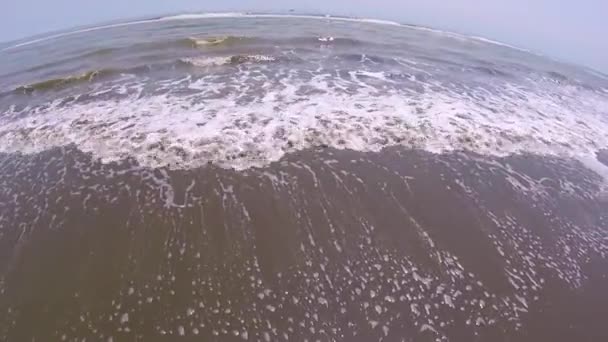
(261, 122)
(326, 39)
(206, 61)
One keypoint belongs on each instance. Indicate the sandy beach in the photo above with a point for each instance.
(323, 245)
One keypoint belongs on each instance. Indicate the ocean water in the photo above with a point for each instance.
(262, 177)
(243, 91)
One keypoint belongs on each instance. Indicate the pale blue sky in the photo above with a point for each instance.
(571, 30)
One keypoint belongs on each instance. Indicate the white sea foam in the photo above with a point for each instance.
(206, 61)
(494, 42)
(381, 22)
(218, 61)
(279, 16)
(438, 32)
(76, 32)
(463, 37)
(189, 131)
(192, 16)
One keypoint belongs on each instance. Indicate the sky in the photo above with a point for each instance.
(575, 31)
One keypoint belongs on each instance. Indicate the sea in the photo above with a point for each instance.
(283, 177)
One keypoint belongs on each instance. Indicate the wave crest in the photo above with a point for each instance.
(62, 82)
(213, 41)
(206, 61)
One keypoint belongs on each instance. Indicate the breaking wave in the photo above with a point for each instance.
(206, 61)
(213, 41)
(63, 82)
(242, 123)
(103, 74)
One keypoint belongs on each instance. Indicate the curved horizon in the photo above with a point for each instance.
(69, 31)
(74, 30)
(568, 31)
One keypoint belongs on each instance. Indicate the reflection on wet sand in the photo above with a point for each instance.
(324, 245)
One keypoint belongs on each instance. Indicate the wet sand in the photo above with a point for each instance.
(323, 245)
(602, 156)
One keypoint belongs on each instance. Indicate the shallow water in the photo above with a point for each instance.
(323, 245)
